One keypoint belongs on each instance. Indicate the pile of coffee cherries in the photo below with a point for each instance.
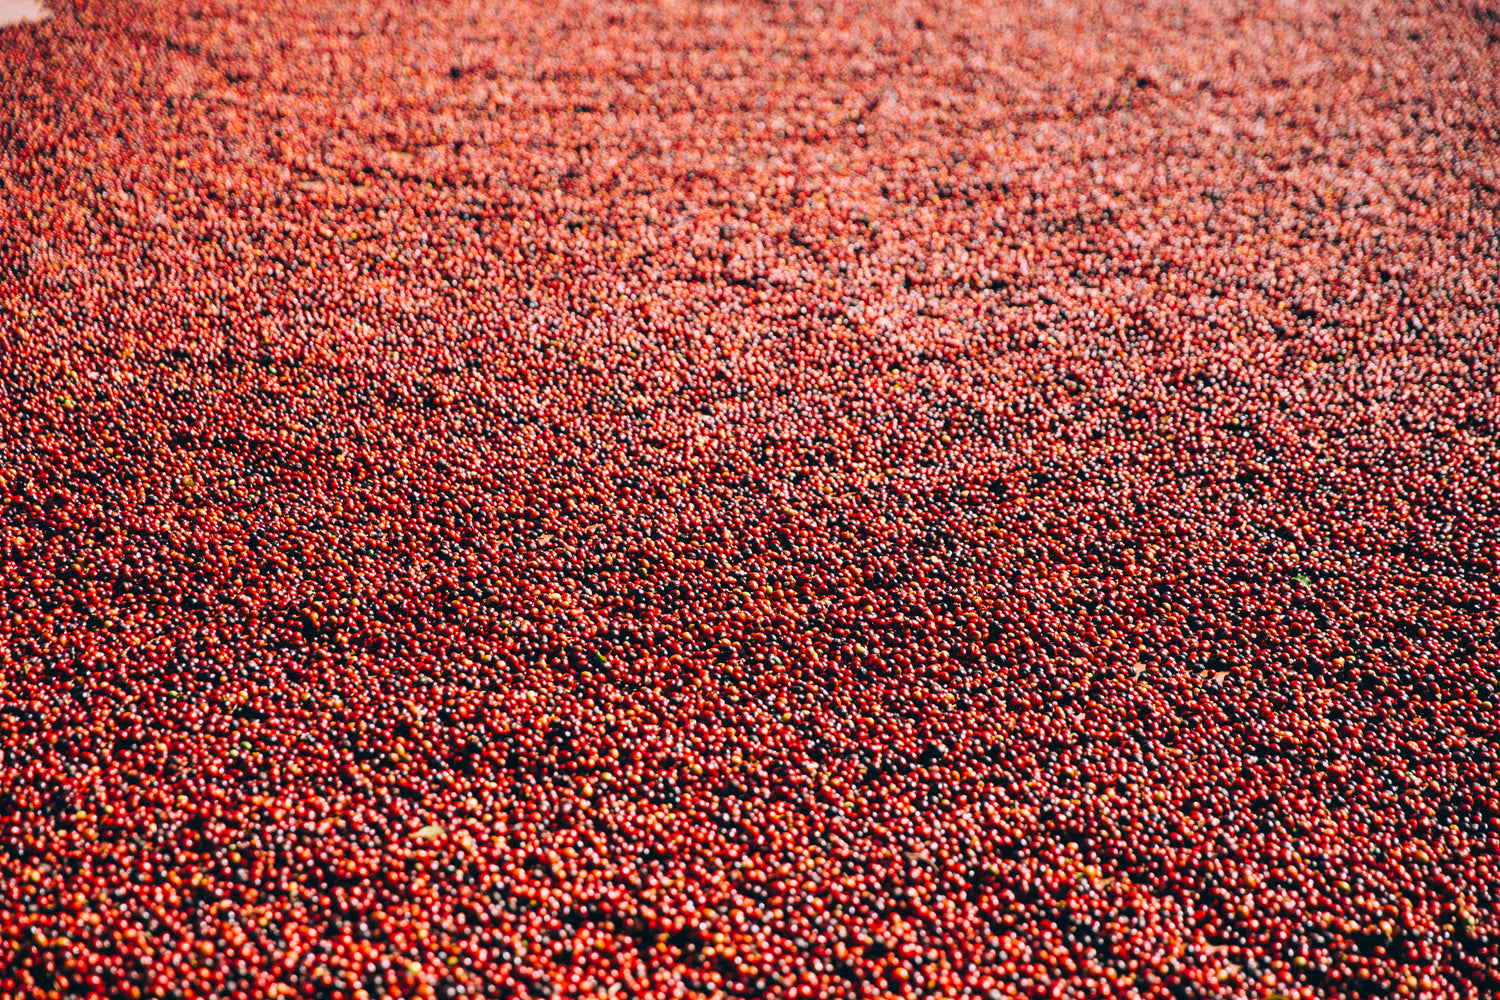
(797, 499)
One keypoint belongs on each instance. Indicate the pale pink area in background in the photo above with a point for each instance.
(15, 11)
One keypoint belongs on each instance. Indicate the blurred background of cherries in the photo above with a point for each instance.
(749, 499)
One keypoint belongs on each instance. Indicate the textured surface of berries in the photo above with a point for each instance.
(756, 500)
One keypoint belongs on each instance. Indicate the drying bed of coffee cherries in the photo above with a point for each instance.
(766, 499)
